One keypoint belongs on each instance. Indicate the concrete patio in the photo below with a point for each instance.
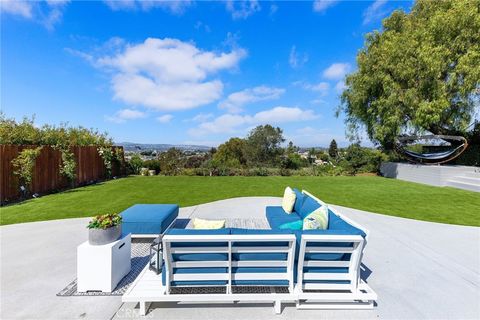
(420, 270)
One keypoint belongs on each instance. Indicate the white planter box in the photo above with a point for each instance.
(100, 268)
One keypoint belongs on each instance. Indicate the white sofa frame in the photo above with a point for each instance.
(357, 294)
(144, 291)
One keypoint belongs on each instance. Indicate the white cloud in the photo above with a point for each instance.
(174, 7)
(336, 71)
(15, 7)
(296, 59)
(126, 114)
(201, 117)
(322, 87)
(165, 118)
(237, 100)
(168, 74)
(233, 123)
(47, 13)
(323, 5)
(227, 123)
(242, 9)
(77, 53)
(375, 11)
(284, 114)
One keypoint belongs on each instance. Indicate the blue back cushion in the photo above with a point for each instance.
(298, 200)
(277, 217)
(259, 256)
(199, 256)
(337, 224)
(309, 205)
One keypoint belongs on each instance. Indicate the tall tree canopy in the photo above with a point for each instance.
(231, 153)
(263, 145)
(333, 149)
(420, 73)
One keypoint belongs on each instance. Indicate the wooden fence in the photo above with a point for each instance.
(46, 175)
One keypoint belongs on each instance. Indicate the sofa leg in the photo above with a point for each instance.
(144, 306)
(277, 306)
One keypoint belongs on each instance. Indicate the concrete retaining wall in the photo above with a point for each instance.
(456, 176)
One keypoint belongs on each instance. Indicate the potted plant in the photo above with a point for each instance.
(105, 228)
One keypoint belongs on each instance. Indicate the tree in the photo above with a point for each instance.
(171, 161)
(231, 153)
(359, 159)
(135, 164)
(312, 155)
(291, 148)
(263, 145)
(333, 149)
(420, 73)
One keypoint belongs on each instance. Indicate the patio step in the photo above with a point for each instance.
(467, 182)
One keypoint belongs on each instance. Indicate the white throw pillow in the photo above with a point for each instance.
(208, 224)
(318, 219)
(288, 200)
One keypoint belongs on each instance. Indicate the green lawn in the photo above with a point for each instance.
(376, 194)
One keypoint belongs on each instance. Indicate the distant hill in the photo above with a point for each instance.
(132, 146)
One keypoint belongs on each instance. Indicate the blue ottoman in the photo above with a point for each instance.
(148, 219)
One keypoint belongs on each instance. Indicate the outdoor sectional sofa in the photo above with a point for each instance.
(312, 268)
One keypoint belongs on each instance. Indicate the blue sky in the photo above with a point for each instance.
(184, 72)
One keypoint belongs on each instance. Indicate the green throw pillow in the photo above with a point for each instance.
(318, 219)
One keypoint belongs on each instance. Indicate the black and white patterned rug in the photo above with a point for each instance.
(140, 257)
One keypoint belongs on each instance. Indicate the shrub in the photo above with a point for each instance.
(293, 161)
(188, 172)
(26, 133)
(260, 171)
(24, 164)
(285, 172)
(68, 165)
(107, 155)
(134, 164)
(153, 164)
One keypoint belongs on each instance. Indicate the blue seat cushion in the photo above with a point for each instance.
(298, 200)
(309, 205)
(278, 219)
(148, 218)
